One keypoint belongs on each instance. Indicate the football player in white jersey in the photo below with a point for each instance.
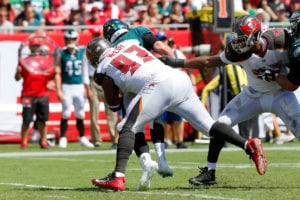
(264, 56)
(158, 88)
(117, 31)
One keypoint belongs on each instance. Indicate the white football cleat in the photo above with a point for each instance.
(63, 142)
(148, 172)
(85, 142)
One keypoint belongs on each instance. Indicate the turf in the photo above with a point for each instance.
(66, 174)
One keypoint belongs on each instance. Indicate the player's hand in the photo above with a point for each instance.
(60, 95)
(175, 63)
(267, 74)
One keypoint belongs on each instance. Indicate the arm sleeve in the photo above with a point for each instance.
(149, 40)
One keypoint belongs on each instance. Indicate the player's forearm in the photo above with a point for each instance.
(285, 83)
(203, 61)
(18, 74)
(57, 81)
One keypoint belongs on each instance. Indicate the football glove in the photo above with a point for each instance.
(175, 63)
(267, 74)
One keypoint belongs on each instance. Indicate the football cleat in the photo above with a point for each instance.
(44, 145)
(110, 182)
(148, 173)
(163, 168)
(206, 177)
(63, 142)
(257, 154)
(24, 146)
(85, 142)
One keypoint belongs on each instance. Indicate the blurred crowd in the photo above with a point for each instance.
(27, 13)
(39, 13)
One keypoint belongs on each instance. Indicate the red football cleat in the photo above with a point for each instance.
(44, 145)
(257, 154)
(24, 146)
(110, 182)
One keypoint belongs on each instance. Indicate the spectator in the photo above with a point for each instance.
(153, 15)
(130, 14)
(11, 13)
(295, 5)
(262, 15)
(188, 6)
(27, 5)
(93, 3)
(41, 6)
(97, 95)
(176, 16)
(142, 19)
(164, 7)
(82, 7)
(28, 19)
(270, 7)
(68, 5)
(69, 76)
(75, 20)
(112, 11)
(5, 25)
(96, 18)
(36, 71)
(280, 12)
(55, 17)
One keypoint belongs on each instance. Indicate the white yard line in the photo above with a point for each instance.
(101, 152)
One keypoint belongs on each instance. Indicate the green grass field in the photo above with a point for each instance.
(65, 174)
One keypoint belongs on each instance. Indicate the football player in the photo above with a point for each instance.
(264, 56)
(117, 31)
(157, 88)
(70, 88)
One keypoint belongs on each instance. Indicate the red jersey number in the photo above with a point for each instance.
(125, 64)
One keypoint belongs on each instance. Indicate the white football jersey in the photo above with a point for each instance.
(132, 67)
(272, 59)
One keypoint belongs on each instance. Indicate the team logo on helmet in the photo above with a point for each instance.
(252, 26)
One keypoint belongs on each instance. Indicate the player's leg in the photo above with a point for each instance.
(94, 112)
(286, 106)
(78, 102)
(195, 113)
(66, 112)
(116, 180)
(27, 116)
(157, 136)
(42, 115)
(141, 150)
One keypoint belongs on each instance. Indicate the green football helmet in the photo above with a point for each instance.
(114, 28)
